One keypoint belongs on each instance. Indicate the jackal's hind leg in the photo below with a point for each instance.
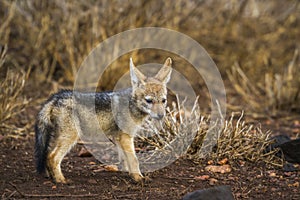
(55, 157)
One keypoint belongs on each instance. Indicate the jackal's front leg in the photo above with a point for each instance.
(126, 145)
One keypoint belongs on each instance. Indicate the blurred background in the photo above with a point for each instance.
(254, 43)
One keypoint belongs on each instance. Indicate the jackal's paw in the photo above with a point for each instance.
(63, 181)
(147, 179)
(137, 177)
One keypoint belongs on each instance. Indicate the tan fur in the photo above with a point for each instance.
(63, 119)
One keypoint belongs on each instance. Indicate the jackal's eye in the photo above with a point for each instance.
(149, 100)
(164, 100)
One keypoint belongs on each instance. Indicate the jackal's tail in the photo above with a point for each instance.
(43, 131)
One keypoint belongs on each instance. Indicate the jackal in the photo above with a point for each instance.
(64, 115)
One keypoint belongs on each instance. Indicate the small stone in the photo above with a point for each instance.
(210, 162)
(47, 182)
(272, 174)
(92, 181)
(212, 181)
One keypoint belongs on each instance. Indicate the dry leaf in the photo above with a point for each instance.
(296, 184)
(98, 170)
(111, 168)
(223, 161)
(219, 169)
(202, 178)
(210, 162)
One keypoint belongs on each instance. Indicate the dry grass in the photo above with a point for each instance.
(171, 138)
(240, 141)
(184, 132)
(277, 92)
(54, 37)
(11, 101)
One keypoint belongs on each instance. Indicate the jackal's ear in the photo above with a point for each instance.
(164, 74)
(137, 77)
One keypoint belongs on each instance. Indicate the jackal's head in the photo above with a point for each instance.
(150, 93)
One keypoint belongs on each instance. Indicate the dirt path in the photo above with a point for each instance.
(90, 180)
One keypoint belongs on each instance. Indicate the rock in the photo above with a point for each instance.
(278, 140)
(214, 193)
(289, 167)
(291, 150)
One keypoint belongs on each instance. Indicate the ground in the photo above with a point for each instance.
(91, 180)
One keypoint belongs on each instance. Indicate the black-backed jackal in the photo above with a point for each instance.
(62, 116)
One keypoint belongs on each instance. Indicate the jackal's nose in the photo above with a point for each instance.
(157, 116)
(160, 116)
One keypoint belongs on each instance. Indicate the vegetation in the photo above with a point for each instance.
(255, 46)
